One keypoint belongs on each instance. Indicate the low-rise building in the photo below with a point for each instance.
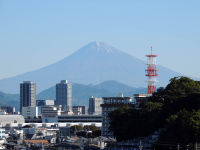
(2, 133)
(140, 99)
(80, 110)
(45, 102)
(30, 112)
(50, 114)
(80, 118)
(8, 109)
(41, 103)
(9, 119)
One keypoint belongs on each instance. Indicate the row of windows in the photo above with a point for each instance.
(79, 121)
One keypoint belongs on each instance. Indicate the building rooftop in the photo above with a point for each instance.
(140, 95)
(64, 81)
(121, 98)
(37, 141)
(28, 82)
(6, 119)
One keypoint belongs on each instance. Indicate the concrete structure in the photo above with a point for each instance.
(8, 119)
(94, 106)
(41, 103)
(50, 113)
(80, 118)
(84, 110)
(64, 95)
(77, 110)
(80, 110)
(110, 104)
(27, 94)
(8, 109)
(34, 120)
(140, 99)
(45, 102)
(2, 133)
(30, 112)
(49, 125)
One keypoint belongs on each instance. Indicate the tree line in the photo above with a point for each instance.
(174, 109)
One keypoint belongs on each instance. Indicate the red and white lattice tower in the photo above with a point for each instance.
(151, 72)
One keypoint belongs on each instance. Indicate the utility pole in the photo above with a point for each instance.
(140, 146)
(178, 147)
(196, 146)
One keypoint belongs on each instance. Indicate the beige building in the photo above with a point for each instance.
(10, 119)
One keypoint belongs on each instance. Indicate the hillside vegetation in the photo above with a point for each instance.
(175, 109)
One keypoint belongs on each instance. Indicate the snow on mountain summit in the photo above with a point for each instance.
(100, 47)
(92, 64)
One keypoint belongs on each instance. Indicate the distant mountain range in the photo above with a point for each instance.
(80, 93)
(94, 63)
(9, 99)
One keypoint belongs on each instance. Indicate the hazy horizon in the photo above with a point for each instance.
(35, 34)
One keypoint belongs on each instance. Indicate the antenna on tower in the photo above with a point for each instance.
(151, 73)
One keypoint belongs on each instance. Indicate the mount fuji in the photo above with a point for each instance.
(92, 64)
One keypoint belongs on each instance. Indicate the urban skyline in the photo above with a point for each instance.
(113, 99)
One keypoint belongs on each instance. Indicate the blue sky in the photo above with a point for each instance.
(37, 33)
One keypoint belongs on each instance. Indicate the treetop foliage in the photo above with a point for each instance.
(175, 108)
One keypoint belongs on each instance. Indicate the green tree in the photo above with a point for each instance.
(183, 127)
(175, 108)
(90, 128)
(127, 123)
(152, 107)
(75, 128)
(180, 87)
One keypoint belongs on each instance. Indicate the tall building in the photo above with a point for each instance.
(110, 104)
(27, 94)
(94, 105)
(64, 95)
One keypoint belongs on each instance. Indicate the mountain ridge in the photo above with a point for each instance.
(92, 64)
(80, 93)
